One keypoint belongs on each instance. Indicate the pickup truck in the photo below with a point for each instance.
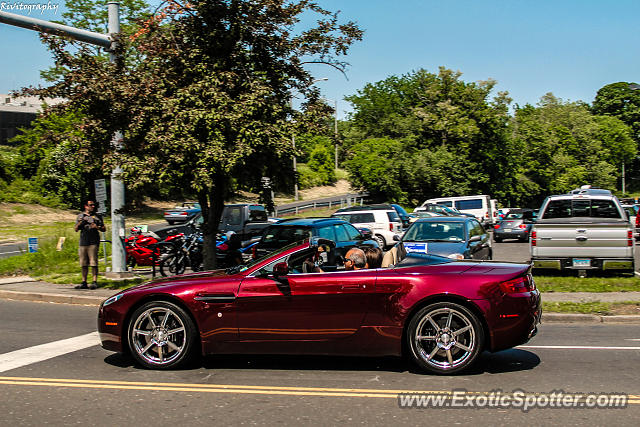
(182, 213)
(584, 230)
(247, 220)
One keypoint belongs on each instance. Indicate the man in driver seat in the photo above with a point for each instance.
(355, 259)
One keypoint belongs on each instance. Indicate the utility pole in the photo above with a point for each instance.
(335, 131)
(118, 256)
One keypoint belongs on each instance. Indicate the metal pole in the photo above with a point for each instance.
(295, 168)
(623, 183)
(335, 131)
(118, 254)
(54, 28)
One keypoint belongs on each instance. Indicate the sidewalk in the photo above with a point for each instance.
(24, 288)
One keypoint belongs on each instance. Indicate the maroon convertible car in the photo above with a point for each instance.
(440, 313)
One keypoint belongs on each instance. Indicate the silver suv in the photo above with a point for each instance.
(385, 225)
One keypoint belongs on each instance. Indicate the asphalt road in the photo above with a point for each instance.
(93, 386)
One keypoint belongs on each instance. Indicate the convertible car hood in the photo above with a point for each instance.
(209, 277)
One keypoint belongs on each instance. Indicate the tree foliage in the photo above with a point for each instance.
(207, 106)
(423, 135)
(562, 146)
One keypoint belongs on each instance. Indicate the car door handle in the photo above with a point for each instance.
(581, 238)
(345, 287)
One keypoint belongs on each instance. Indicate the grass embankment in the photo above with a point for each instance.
(587, 284)
(51, 265)
(600, 308)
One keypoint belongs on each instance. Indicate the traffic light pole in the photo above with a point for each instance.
(118, 256)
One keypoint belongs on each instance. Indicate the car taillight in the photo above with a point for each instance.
(496, 226)
(183, 213)
(523, 226)
(637, 221)
(534, 236)
(254, 254)
(390, 226)
(518, 285)
(629, 238)
(495, 214)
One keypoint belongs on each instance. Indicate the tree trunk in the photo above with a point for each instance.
(212, 203)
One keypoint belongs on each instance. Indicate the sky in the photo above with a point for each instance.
(530, 47)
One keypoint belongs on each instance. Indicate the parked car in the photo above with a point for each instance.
(441, 315)
(247, 220)
(516, 225)
(183, 213)
(384, 224)
(452, 237)
(480, 206)
(285, 232)
(414, 216)
(441, 210)
(402, 213)
(586, 230)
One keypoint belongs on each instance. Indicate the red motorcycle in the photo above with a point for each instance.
(145, 249)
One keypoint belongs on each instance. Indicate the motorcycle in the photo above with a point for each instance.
(184, 251)
(143, 249)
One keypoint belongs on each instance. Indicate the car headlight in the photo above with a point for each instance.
(111, 300)
(455, 256)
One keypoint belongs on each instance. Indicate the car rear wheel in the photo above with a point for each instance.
(445, 338)
(381, 242)
(161, 335)
(497, 239)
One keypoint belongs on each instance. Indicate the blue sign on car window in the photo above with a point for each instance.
(416, 247)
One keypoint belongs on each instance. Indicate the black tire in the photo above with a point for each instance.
(381, 242)
(161, 335)
(497, 239)
(172, 264)
(490, 256)
(434, 350)
(171, 222)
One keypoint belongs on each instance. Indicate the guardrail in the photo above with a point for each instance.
(337, 202)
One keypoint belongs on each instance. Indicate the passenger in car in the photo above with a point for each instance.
(374, 257)
(355, 259)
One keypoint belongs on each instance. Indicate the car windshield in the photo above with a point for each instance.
(435, 231)
(514, 216)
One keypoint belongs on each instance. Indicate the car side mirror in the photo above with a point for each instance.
(281, 269)
(396, 238)
(475, 239)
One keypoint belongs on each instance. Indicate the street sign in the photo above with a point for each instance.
(101, 195)
(32, 244)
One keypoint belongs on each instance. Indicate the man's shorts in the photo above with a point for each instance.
(88, 255)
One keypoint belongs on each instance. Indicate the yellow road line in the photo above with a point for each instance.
(233, 389)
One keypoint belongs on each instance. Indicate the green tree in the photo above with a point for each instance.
(207, 105)
(562, 145)
(449, 136)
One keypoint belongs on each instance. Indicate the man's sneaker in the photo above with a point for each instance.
(93, 285)
(83, 286)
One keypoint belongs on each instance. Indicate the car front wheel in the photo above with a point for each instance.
(445, 338)
(161, 335)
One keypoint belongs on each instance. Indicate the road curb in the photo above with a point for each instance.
(588, 318)
(54, 298)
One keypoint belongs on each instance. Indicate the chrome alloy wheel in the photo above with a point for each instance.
(158, 336)
(445, 337)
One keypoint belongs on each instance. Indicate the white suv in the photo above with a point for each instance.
(384, 224)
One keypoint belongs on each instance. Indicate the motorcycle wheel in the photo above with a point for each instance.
(172, 265)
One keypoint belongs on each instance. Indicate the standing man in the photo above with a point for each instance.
(89, 224)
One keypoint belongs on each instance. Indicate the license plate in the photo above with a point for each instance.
(507, 230)
(581, 262)
(416, 247)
